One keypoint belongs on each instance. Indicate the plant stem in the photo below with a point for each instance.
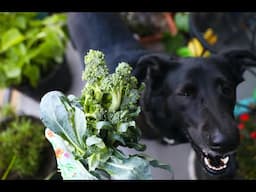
(6, 173)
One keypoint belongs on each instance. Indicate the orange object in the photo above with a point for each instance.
(59, 152)
(49, 133)
(171, 24)
(152, 38)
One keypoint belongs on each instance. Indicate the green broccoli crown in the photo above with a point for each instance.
(111, 97)
(116, 84)
(109, 90)
(95, 67)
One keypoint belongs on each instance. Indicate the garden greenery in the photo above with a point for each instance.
(21, 139)
(30, 46)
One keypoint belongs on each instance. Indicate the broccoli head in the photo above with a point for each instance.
(112, 98)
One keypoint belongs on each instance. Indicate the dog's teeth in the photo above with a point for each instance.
(208, 164)
(225, 160)
(206, 161)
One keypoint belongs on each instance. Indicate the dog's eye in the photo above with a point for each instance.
(187, 91)
(226, 90)
(225, 87)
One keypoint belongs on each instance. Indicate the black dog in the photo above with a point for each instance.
(185, 100)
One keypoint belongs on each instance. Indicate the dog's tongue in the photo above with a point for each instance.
(216, 162)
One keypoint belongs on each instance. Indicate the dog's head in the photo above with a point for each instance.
(192, 99)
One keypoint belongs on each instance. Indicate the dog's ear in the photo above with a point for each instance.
(152, 69)
(153, 66)
(238, 61)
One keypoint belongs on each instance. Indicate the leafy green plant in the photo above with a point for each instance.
(86, 131)
(30, 46)
(6, 112)
(21, 144)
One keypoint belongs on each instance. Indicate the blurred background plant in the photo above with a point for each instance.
(31, 44)
(22, 146)
(169, 32)
(246, 153)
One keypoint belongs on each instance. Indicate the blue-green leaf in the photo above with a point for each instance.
(93, 161)
(103, 124)
(55, 116)
(98, 158)
(155, 163)
(80, 125)
(132, 168)
(74, 101)
(70, 167)
(94, 140)
(124, 126)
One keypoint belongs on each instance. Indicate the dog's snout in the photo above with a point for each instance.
(217, 141)
(223, 143)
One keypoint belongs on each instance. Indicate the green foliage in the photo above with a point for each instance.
(246, 154)
(184, 52)
(173, 43)
(97, 123)
(6, 111)
(30, 47)
(22, 138)
(181, 20)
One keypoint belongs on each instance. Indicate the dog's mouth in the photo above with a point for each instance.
(215, 165)
(218, 166)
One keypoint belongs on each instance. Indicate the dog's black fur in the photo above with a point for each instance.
(186, 99)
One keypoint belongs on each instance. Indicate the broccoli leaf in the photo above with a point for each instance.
(80, 125)
(130, 168)
(70, 167)
(56, 117)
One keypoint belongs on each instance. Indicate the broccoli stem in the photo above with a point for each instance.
(116, 101)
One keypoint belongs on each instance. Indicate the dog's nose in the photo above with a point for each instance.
(224, 143)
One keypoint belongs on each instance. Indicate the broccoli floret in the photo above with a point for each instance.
(95, 67)
(117, 84)
(111, 97)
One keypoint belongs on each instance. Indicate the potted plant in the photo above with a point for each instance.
(155, 28)
(87, 132)
(32, 52)
(25, 153)
(149, 28)
(169, 32)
